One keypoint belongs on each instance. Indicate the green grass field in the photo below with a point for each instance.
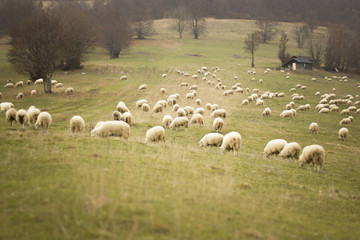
(57, 185)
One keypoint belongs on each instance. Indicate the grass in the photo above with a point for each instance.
(56, 185)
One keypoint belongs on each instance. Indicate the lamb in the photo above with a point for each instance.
(123, 77)
(4, 106)
(218, 124)
(197, 119)
(291, 150)
(33, 114)
(155, 134)
(142, 87)
(116, 115)
(274, 146)
(9, 85)
(44, 121)
(140, 102)
(343, 133)
(112, 128)
(179, 122)
(167, 119)
(69, 91)
(22, 117)
(121, 107)
(11, 116)
(58, 85)
(126, 117)
(314, 127)
(145, 107)
(39, 81)
(231, 141)
(33, 92)
(77, 124)
(314, 154)
(266, 112)
(211, 139)
(219, 113)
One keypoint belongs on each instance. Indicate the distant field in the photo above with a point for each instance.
(56, 185)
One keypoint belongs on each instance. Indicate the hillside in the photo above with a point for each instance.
(57, 185)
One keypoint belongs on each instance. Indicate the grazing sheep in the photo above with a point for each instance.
(4, 106)
(219, 113)
(343, 133)
(218, 124)
(181, 112)
(22, 117)
(324, 111)
(155, 134)
(287, 114)
(39, 81)
(197, 119)
(121, 107)
(9, 85)
(266, 112)
(69, 91)
(44, 121)
(208, 106)
(58, 85)
(314, 127)
(19, 84)
(167, 119)
(164, 75)
(126, 117)
(116, 115)
(33, 92)
(112, 128)
(345, 112)
(259, 102)
(231, 142)
(140, 102)
(200, 110)
(77, 124)
(176, 107)
(314, 154)
(214, 107)
(20, 96)
(211, 139)
(291, 150)
(245, 102)
(53, 82)
(28, 82)
(162, 90)
(198, 101)
(184, 84)
(189, 110)
(142, 87)
(11, 116)
(345, 121)
(190, 96)
(357, 111)
(33, 114)
(274, 146)
(123, 77)
(179, 122)
(145, 107)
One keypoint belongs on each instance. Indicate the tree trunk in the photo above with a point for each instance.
(252, 60)
(47, 84)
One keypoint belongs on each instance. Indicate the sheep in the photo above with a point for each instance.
(211, 139)
(44, 120)
(245, 102)
(357, 111)
(208, 106)
(20, 96)
(314, 127)
(162, 90)
(287, 114)
(197, 119)
(190, 96)
(121, 107)
(214, 107)
(33, 114)
(33, 92)
(116, 115)
(179, 122)
(181, 112)
(219, 113)
(145, 107)
(317, 94)
(343, 133)
(123, 77)
(11, 116)
(184, 84)
(142, 87)
(291, 150)
(189, 110)
(39, 81)
(352, 109)
(167, 119)
(345, 112)
(112, 128)
(324, 110)
(231, 141)
(69, 91)
(58, 85)
(200, 110)
(9, 85)
(155, 134)
(218, 124)
(140, 102)
(175, 107)
(314, 154)
(162, 102)
(4, 106)
(298, 97)
(345, 121)
(28, 82)
(274, 146)
(164, 75)
(198, 102)
(126, 117)
(266, 112)
(77, 124)
(53, 82)
(22, 117)
(19, 84)
(259, 102)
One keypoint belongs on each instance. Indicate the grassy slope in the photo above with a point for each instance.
(55, 185)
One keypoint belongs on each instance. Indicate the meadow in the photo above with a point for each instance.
(57, 185)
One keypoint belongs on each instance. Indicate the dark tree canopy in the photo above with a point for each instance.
(282, 55)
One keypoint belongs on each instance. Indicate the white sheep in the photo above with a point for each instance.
(200, 110)
(4, 106)
(345, 121)
(11, 116)
(69, 91)
(19, 84)
(259, 102)
(219, 113)
(22, 117)
(231, 142)
(245, 102)
(142, 87)
(211, 139)
(314, 154)
(33, 92)
(218, 124)
(121, 107)
(44, 121)
(116, 115)
(266, 112)
(140, 102)
(179, 122)
(112, 128)
(287, 114)
(53, 82)
(198, 101)
(345, 112)
(167, 119)
(343, 133)
(39, 81)
(20, 96)
(145, 107)
(9, 85)
(58, 85)
(126, 117)
(155, 134)
(214, 107)
(77, 124)
(291, 150)
(162, 90)
(164, 75)
(175, 107)
(123, 77)
(324, 111)
(274, 146)
(181, 112)
(314, 127)
(197, 119)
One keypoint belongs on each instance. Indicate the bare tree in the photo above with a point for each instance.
(315, 47)
(143, 26)
(36, 46)
(301, 34)
(180, 17)
(252, 42)
(283, 56)
(267, 29)
(196, 9)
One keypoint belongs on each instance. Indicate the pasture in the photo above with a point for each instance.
(59, 185)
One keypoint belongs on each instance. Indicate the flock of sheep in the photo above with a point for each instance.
(122, 118)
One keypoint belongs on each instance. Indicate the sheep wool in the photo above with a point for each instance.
(142, 87)
(145, 107)
(231, 142)
(22, 117)
(140, 102)
(20, 96)
(197, 119)
(314, 154)
(69, 91)
(155, 134)
(127, 117)
(218, 124)
(211, 139)
(314, 127)
(343, 133)
(274, 146)
(44, 121)
(77, 124)
(121, 107)
(266, 112)
(116, 115)
(219, 113)
(33, 114)
(291, 150)
(179, 122)
(167, 119)
(4, 106)
(33, 92)
(11, 116)
(111, 128)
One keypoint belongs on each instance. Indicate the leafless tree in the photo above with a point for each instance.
(252, 43)
(36, 46)
(315, 47)
(180, 17)
(301, 34)
(196, 10)
(283, 56)
(267, 29)
(143, 26)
